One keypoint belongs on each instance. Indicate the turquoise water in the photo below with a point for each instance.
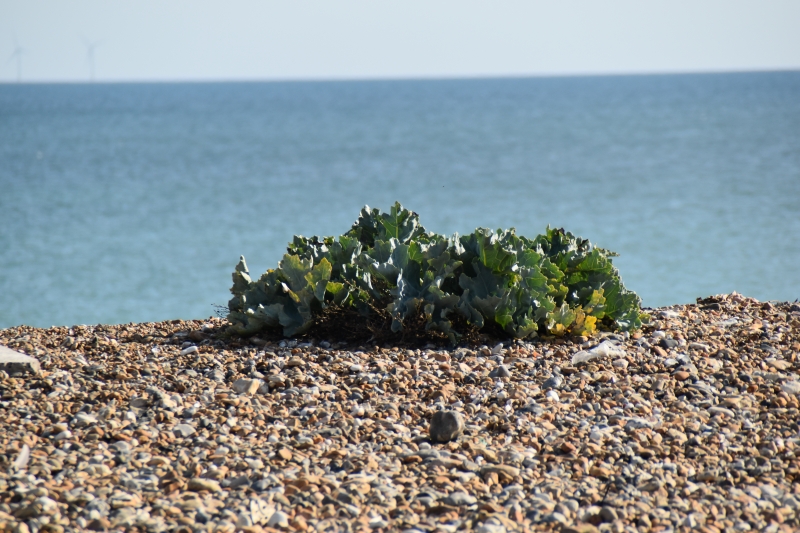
(133, 202)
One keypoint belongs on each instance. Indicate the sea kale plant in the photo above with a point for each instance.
(556, 283)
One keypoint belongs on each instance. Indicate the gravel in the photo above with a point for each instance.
(128, 427)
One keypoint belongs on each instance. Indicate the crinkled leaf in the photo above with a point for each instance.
(560, 319)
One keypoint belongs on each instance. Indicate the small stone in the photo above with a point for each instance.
(600, 471)
(553, 382)
(446, 426)
(668, 344)
(21, 462)
(779, 364)
(491, 528)
(98, 524)
(237, 482)
(243, 520)
(183, 430)
(14, 363)
(510, 471)
(295, 362)
(459, 498)
(190, 349)
(580, 528)
(501, 371)
(568, 447)
(620, 363)
(197, 335)
(608, 514)
(83, 420)
(246, 386)
(378, 523)
(791, 387)
(555, 517)
(278, 519)
(121, 446)
(64, 435)
(681, 375)
(197, 484)
(285, 454)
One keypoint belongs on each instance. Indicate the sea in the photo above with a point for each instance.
(133, 202)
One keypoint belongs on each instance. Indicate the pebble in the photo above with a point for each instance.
(553, 382)
(501, 371)
(668, 344)
(120, 429)
(197, 484)
(446, 426)
(278, 519)
(791, 387)
(183, 430)
(246, 386)
(459, 499)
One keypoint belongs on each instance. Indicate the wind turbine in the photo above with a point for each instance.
(17, 54)
(90, 47)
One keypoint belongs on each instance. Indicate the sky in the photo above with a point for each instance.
(178, 40)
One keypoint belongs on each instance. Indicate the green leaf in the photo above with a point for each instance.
(294, 269)
(318, 278)
(484, 283)
(560, 320)
(399, 223)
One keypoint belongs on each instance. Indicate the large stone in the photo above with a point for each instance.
(446, 426)
(17, 364)
(197, 484)
(791, 387)
(459, 498)
(278, 519)
(183, 430)
(246, 386)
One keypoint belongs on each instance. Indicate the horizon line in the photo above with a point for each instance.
(443, 77)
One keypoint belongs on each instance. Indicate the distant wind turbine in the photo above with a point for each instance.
(17, 54)
(90, 48)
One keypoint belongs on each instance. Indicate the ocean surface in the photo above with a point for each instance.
(132, 202)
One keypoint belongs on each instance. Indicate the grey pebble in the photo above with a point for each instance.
(459, 498)
(501, 371)
(183, 430)
(553, 382)
(668, 344)
(446, 426)
(279, 519)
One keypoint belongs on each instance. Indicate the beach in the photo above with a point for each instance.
(689, 423)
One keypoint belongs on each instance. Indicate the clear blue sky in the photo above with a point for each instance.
(345, 39)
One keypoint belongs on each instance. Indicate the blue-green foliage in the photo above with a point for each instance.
(555, 283)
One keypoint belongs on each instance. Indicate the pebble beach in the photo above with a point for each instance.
(688, 424)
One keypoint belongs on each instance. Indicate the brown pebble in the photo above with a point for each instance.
(285, 454)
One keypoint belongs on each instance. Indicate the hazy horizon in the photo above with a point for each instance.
(397, 78)
(50, 42)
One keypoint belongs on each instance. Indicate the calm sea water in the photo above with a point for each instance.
(133, 202)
